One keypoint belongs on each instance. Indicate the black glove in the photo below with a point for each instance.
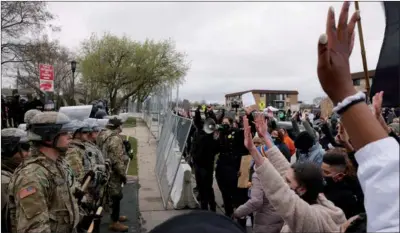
(79, 194)
(128, 148)
(123, 179)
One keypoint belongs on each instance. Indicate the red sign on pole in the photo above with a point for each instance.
(46, 75)
(46, 72)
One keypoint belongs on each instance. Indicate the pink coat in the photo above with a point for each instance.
(299, 216)
(265, 218)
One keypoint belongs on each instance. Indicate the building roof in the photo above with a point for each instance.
(264, 92)
(360, 75)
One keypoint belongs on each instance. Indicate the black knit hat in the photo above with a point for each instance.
(199, 222)
(304, 141)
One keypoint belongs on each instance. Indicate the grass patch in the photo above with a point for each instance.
(133, 165)
(130, 122)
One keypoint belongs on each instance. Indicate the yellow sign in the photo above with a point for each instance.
(203, 107)
(261, 105)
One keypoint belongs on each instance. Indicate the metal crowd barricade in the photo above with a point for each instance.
(171, 144)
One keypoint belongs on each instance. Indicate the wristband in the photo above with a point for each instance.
(348, 102)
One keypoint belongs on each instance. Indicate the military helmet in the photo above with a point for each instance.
(114, 121)
(99, 105)
(48, 125)
(100, 114)
(94, 126)
(12, 141)
(83, 127)
(30, 114)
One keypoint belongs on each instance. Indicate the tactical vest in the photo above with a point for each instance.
(95, 151)
(89, 159)
(63, 209)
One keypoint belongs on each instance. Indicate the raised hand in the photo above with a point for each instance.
(248, 138)
(377, 104)
(261, 125)
(334, 49)
(342, 133)
(377, 110)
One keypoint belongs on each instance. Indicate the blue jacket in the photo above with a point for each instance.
(315, 155)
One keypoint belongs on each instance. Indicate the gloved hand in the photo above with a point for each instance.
(123, 179)
(79, 193)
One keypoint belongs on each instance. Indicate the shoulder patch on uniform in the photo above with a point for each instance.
(25, 192)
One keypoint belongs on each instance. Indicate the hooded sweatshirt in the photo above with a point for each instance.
(298, 215)
(315, 154)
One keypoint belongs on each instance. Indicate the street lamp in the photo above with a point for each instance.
(73, 66)
(73, 69)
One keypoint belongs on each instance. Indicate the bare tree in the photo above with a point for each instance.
(44, 51)
(18, 19)
(317, 100)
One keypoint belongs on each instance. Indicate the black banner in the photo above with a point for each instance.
(387, 73)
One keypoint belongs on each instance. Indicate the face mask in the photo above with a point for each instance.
(328, 181)
(225, 127)
(276, 140)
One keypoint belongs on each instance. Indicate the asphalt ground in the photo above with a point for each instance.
(129, 208)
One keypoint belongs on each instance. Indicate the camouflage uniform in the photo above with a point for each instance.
(79, 159)
(14, 147)
(41, 196)
(95, 151)
(113, 149)
(41, 189)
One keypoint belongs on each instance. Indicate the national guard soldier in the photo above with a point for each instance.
(77, 157)
(112, 147)
(91, 142)
(41, 191)
(14, 149)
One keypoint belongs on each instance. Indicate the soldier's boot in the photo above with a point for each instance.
(123, 219)
(118, 227)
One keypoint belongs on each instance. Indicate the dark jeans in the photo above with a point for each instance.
(204, 180)
(232, 196)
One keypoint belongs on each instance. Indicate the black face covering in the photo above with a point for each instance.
(328, 181)
(276, 140)
(225, 127)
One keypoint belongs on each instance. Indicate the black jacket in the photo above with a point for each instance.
(347, 195)
(203, 147)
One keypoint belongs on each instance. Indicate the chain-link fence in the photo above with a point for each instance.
(155, 109)
(170, 147)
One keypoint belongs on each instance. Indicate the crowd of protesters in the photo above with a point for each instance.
(345, 177)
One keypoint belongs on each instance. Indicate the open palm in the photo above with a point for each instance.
(248, 139)
(261, 125)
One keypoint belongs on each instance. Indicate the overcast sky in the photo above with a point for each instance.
(231, 46)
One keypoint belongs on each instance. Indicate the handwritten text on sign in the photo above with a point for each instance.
(46, 72)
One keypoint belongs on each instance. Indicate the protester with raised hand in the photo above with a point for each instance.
(293, 190)
(377, 110)
(377, 154)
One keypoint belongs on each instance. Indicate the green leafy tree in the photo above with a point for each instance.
(118, 68)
